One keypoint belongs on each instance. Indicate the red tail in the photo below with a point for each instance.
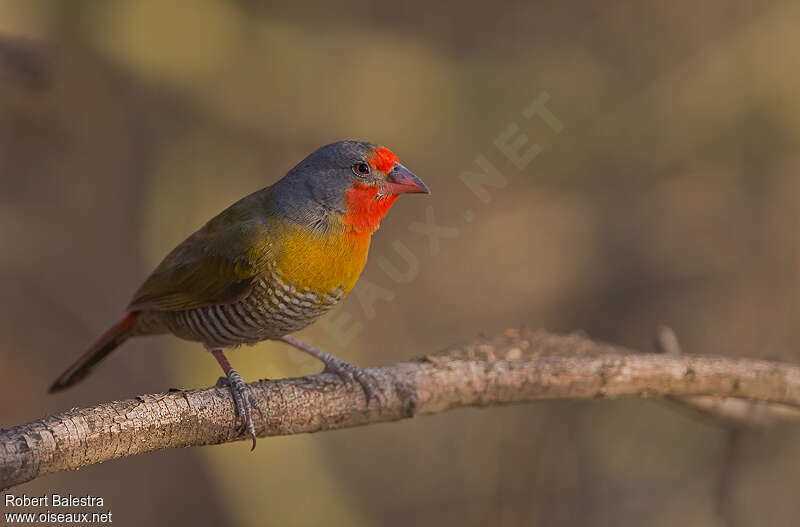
(104, 345)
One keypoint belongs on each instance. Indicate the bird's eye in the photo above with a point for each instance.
(361, 169)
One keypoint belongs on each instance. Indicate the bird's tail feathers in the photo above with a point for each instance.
(104, 345)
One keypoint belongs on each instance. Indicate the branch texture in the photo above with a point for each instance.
(517, 367)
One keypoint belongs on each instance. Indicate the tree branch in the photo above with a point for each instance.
(517, 367)
(727, 411)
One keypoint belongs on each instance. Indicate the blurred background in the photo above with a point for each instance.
(669, 196)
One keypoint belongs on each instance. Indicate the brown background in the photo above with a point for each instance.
(670, 196)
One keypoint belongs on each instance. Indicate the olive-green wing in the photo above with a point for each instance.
(216, 265)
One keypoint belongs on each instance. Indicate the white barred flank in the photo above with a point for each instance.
(273, 309)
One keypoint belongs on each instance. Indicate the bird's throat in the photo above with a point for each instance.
(365, 208)
(334, 259)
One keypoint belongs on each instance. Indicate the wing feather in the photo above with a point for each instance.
(219, 264)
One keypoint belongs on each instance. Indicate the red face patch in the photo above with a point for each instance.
(381, 159)
(365, 209)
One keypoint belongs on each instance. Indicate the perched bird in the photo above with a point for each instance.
(268, 265)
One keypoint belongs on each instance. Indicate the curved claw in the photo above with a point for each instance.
(241, 396)
(244, 407)
(346, 371)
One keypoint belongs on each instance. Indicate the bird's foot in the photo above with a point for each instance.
(346, 371)
(244, 408)
(241, 396)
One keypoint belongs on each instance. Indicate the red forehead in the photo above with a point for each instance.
(381, 158)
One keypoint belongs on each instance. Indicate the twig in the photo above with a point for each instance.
(518, 367)
(725, 411)
(726, 480)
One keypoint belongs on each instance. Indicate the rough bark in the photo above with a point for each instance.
(517, 367)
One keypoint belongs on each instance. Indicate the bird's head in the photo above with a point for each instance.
(355, 182)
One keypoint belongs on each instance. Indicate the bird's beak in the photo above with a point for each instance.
(402, 181)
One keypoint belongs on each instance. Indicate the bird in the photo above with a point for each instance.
(267, 266)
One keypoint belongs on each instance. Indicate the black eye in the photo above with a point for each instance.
(361, 169)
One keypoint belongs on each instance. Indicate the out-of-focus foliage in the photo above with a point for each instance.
(670, 196)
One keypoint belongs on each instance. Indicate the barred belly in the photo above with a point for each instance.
(273, 309)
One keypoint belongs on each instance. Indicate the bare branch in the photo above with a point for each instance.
(727, 411)
(517, 367)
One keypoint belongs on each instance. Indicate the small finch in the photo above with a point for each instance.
(268, 265)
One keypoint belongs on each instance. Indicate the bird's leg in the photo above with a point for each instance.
(344, 370)
(241, 396)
